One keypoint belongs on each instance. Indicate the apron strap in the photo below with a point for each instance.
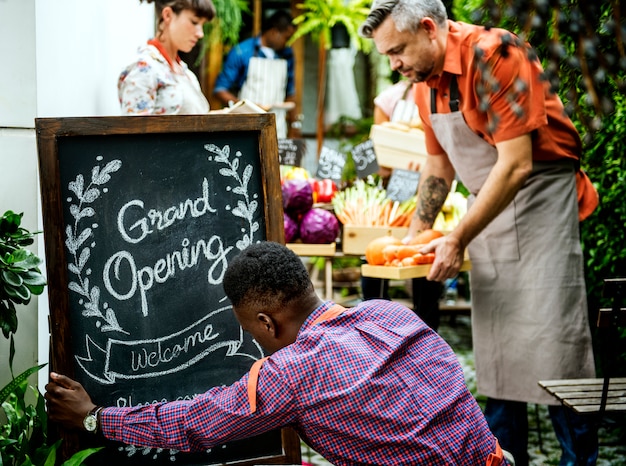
(329, 314)
(497, 458)
(253, 375)
(253, 378)
(454, 96)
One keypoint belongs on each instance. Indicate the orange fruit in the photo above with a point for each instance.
(374, 249)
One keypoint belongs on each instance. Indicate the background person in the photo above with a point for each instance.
(519, 159)
(367, 385)
(261, 69)
(397, 104)
(158, 82)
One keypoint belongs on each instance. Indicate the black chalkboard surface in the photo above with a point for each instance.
(141, 216)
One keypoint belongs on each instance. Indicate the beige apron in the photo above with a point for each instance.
(529, 308)
(266, 84)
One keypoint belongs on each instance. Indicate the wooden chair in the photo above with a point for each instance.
(600, 395)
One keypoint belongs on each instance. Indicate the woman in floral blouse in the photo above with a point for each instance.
(158, 82)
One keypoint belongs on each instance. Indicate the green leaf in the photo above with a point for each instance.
(14, 385)
(33, 277)
(78, 457)
(20, 294)
(12, 278)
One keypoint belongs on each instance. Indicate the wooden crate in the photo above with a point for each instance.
(396, 148)
(402, 273)
(307, 250)
(355, 238)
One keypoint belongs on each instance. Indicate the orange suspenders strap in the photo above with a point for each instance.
(330, 313)
(253, 376)
(497, 458)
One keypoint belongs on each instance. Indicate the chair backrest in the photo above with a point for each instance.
(609, 320)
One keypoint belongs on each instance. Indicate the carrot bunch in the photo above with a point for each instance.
(366, 205)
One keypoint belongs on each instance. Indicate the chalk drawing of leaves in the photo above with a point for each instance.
(76, 237)
(103, 176)
(78, 214)
(132, 450)
(77, 186)
(246, 207)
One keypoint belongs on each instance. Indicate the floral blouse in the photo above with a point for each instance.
(150, 86)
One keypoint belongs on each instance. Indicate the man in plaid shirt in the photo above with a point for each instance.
(369, 385)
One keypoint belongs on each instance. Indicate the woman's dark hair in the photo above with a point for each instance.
(266, 274)
(202, 8)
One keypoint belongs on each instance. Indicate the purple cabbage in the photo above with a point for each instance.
(291, 228)
(297, 197)
(319, 226)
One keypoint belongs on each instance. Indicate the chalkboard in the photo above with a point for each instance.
(330, 165)
(141, 216)
(364, 157)
(402, 184)
(291, 151)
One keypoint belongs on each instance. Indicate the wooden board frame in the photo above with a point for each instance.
(50, 131)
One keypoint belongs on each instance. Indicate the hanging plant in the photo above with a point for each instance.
(319, 17)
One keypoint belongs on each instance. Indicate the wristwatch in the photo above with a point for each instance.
(91, 420)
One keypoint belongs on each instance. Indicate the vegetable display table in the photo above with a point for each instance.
(327, 251)
(402, 273)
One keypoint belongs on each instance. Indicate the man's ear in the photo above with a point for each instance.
(429, 25)
(266, 323)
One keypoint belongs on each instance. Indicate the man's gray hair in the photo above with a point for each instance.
(407, 14)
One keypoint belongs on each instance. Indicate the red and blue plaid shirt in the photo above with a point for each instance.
(372, 386)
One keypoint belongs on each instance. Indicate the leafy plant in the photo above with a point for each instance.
(20, 277)
(24, 429)
(319, 17)
(582, 49)
(225, 26)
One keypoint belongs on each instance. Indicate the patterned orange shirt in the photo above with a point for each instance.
(518, 101)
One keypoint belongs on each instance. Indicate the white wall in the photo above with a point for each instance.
(61, 58)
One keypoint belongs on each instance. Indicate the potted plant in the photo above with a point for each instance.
(327, 21)
(23, 424)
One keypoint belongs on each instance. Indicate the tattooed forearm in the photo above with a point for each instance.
(432, 195)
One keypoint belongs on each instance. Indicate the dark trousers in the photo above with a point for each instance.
(508, 420)
(426, 295)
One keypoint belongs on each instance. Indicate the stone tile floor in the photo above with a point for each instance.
(543, 446)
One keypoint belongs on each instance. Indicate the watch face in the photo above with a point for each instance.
(90, 423)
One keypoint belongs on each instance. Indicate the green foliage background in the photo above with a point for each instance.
(587, 69)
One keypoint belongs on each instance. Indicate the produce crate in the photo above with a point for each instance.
(396, 148)
(304, 249)
(402, 273)
(356, 238)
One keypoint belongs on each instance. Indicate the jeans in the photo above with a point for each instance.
(508, 420)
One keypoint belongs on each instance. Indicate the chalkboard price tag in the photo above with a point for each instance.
(364, 157)
(402, 184)
(291, 151)
(331, 165)
(141, 217)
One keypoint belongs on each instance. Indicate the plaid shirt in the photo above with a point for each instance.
(372, 386)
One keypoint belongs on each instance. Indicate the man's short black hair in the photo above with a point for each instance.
(280, 19)
(266, 274)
